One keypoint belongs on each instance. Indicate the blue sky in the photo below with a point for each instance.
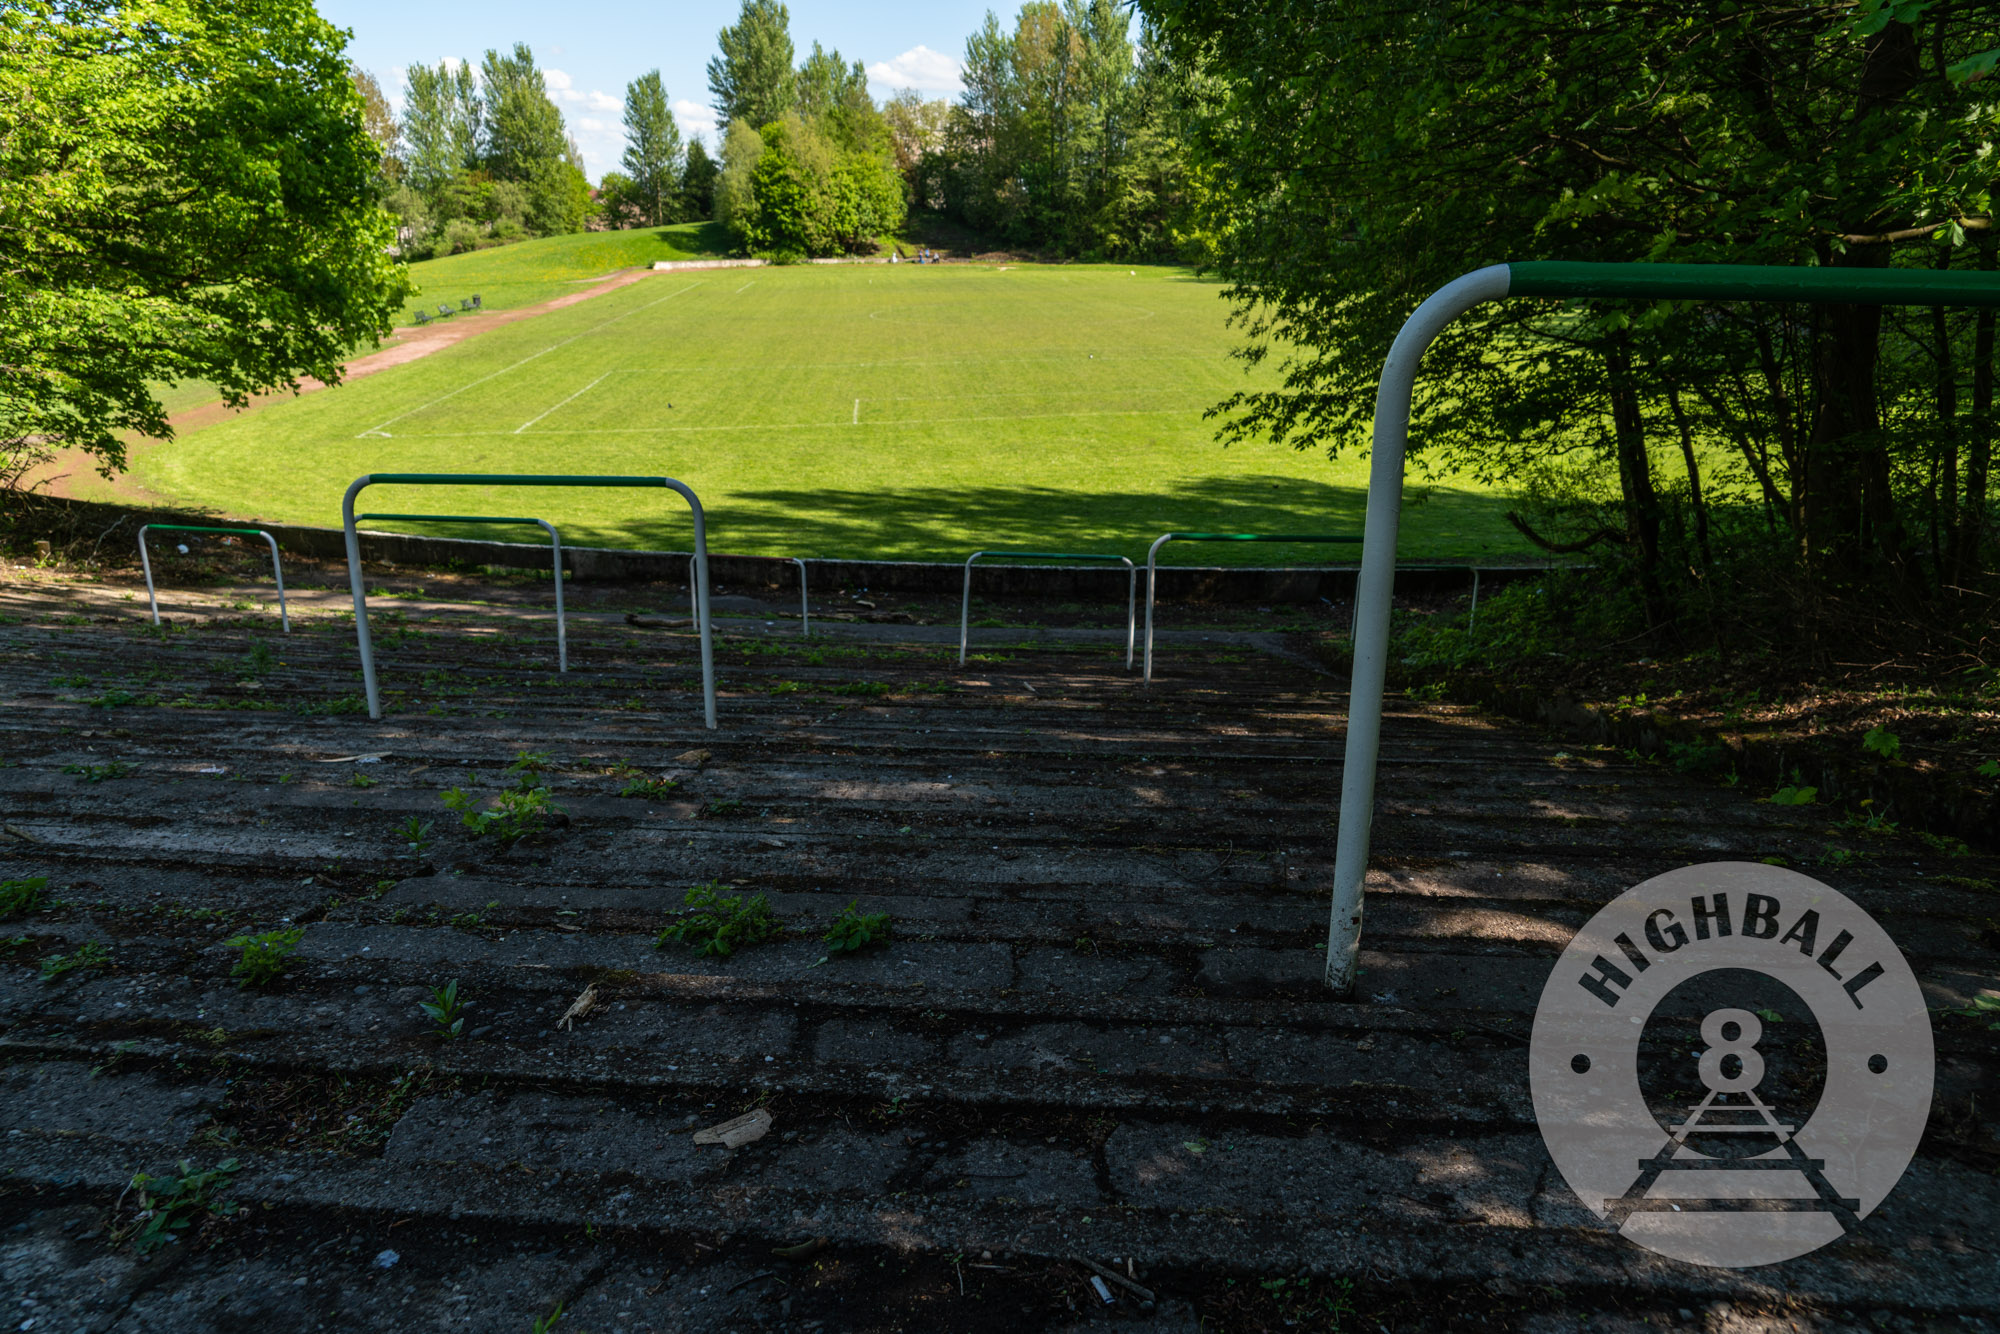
(590, 50)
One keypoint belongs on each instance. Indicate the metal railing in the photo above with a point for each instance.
(1131, 591)
(555, 548)
(1153, 561)
(520, 479)
(277, 567)
(805, 611)
(1393, 395)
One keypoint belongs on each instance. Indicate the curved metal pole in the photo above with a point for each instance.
(277, 564)
(365, 642)
(1131, 592)
(562, 630)
(1373, 591)
(965, 608)
(805, 608)
(1152, 572)
(146, 564)
(278, 573)
(362, 639)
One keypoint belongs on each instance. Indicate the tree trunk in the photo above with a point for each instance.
(1979, 448)
(1635, 477)
(1944, 499)
(1694, 476)
(1851, 509)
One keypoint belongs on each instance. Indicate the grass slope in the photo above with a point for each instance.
(527, 272)
(866, 411)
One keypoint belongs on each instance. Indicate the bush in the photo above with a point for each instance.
(23, 896)
(459, 235)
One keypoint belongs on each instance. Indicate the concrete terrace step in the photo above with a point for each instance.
(1098, 1029)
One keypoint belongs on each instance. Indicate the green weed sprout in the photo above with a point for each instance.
(649, 789)
(1982, 1007)
(88, 956)
(416, 835)
(167, 1212)
(853, 931)
(547, 1323)
(513, 816)
(24, 896)
(528, 767)
(446, 1010)
(718, 924)
(265, 955)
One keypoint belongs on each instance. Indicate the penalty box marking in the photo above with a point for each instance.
(382, 430)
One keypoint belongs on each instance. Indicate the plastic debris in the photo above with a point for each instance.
(580, 1008)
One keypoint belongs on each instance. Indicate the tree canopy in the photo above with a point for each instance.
(751, 79)
(187, 192)
(1361, 158)
(652, 149)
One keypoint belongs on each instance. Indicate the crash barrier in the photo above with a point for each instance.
(277, 567)
(555, 550)
(520, 479)
(1131, 590)
(1153, 563)
(805, 611)
(1376, 586)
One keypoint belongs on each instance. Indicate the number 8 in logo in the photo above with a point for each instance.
(1727, 1047)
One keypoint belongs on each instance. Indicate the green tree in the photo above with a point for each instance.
(378, 120)
(752, 79)
(735, 198)
(652, 148)
(441, 127)
(698, 180)
(193, 196)
(1362, 157)
(526, 142)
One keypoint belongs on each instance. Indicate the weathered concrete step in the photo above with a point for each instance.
(1166, 1193)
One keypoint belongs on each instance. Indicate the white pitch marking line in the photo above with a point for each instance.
(857, 412)
(377, 430)
(578, 394)
(746, 287)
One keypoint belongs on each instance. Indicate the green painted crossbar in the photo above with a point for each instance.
(1756, 282)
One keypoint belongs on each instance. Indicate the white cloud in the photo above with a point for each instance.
(591, 124)
(693, 117)
(563, 89)
(920, 68)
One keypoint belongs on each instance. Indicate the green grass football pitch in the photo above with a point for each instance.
(897, 412)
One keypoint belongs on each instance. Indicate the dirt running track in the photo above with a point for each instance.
(1098, 1031)
(406, 345)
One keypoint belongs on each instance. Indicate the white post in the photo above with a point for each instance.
(1152, 569)
(354, 580)
(562, 628)
(1374, 588)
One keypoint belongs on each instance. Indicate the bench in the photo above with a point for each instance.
(422, 318)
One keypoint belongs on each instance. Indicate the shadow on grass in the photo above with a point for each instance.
(938, 523)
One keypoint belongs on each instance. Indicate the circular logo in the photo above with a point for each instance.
(1733, 1063)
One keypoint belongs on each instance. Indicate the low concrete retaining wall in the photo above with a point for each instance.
(1178, 583)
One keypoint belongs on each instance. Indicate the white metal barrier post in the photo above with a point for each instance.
(354, 574)
(1153, 560)
(1393, 396)
(555, 548)
(1131, 592)
(277, 567)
